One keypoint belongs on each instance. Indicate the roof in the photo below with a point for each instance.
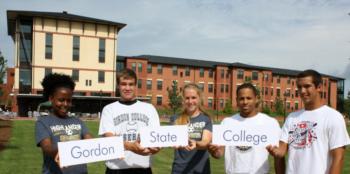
(12, 15)
(181, 61)
(213, 64)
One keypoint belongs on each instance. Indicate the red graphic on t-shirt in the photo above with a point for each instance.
(302, 134)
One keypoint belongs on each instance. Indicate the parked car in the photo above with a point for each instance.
(43, 108)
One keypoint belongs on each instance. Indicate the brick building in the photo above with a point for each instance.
(219, 81)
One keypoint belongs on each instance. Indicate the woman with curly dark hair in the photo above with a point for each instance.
(58, 126)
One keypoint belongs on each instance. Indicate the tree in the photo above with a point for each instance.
(3, 66)
(175, 99)
(228, 107)
(279, 106)
(347, 105)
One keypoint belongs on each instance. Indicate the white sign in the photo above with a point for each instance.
(245, 135)
(164, 136)
(90, 150)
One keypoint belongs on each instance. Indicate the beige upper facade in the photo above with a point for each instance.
(87, 66)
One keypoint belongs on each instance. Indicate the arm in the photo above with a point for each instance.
(216, 151)
(47, 147)
(278, 152)
(338, 160)
(206, 139)
(280, 165)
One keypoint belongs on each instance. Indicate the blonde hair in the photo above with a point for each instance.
(184, 117)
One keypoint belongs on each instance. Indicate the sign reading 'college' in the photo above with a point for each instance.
(91, 150)
(245, 135)
(164, 136)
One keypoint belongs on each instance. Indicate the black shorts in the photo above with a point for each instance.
(129, 171)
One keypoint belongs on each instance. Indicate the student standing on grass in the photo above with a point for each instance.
(315, 137)
(193, 158)
(58, 126)
(247, 159)
(125, 118)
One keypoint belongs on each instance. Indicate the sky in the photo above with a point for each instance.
(291, 34)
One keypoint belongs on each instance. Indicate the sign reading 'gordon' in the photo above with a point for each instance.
(91, 150)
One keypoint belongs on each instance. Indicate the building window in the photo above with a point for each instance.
(101, 76)
(75, 75)
(288, 105)
(139, 83)
(278, 80)
(271, 91)
(175, 70)
(228, 74)
(160, 69)
(149, 68)
(187, 71)
(288, 92)
(240, 74)
(266, 91)
(139, 67)
(201, 86)
(87, 82)
(149, 84)
(133, 66)
(48, 71)
(210, 103)
(26, 42)
(266, 77)
(201, 72)
(159, 84)
(25, 80)
(159, 100)
(48, 46)
(211, 73)
(278, 92)
(221, 103)
(226, 89)
(296, 93)
(210, 88)
(222, 73)
(288, 81)
(222, 88)
(76, 46)
(120, 66)
(101, 50)
(324, 95)
(296, 106)
(255, 75)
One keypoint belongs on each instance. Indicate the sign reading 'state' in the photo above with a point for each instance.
(164, 136)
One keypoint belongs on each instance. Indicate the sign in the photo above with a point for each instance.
(90, 150)
(164, 136)
(245, 135)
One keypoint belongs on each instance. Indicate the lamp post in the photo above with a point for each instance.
(285, 94)
(100, 100)
(217, 109)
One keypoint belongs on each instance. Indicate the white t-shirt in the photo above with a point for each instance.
(310, 136)
(126, 120)
(247, 159)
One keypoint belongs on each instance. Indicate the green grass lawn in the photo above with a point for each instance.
(22, 156)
